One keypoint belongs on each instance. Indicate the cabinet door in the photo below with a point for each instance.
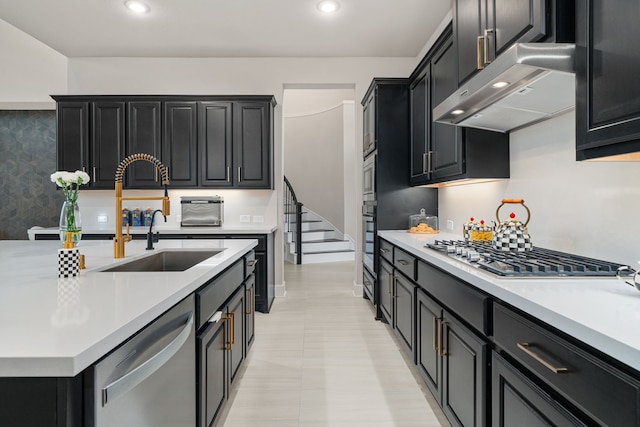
(72, 136)
(464, 369)
(469, 17)
(236, 310)
(447, 154)
(252, 144)
(250, 314)
(369, 124)
(608, 93)
(107, 144)
(403, 313)
(143, 136)
(215, 143)
(179, 145)
(517, 401)
(420, 112)
(428, 317)
(515, 21)
(385, 289)
(213, 372)
(264, 296)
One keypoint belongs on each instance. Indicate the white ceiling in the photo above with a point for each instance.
(231, 28)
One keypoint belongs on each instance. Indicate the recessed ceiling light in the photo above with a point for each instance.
(499, 85)
(137, 6)
(457, 112)
(328, 6)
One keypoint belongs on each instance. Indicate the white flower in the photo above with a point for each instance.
(66, 179)
(83, 177)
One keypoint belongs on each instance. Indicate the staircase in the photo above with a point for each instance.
(308, 237)
(321, 242)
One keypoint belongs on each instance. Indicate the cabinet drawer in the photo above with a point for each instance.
(459, 297)
(601, 391)
(368, 284)
(386, 250)
(404, 262)
(212, 295)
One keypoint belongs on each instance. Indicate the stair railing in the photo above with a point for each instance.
(293, 217)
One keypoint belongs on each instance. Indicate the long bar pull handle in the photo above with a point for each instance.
(526, 347)
(229, 344)
(228, 174)
(442, 352)
(94, 174)
(488, 34)
(436, 321)
(425, 163)
(394, 284)
(479, 59)
(151, 365)
(430, 162)
(250, 310)
(233, 328)
(239, 173)
(390, 283)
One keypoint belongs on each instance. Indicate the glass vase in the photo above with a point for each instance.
(70, 221)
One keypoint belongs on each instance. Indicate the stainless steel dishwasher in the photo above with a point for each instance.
(149, 381)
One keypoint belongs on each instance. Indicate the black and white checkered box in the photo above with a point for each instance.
(68, 262)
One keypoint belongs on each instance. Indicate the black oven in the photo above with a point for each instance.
(369, 179)
(369, 235)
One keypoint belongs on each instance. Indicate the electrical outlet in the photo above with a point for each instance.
(245, 218)
(449, 224)
(258, 218)
(103, 218)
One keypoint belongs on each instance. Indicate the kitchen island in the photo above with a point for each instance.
(52, 327)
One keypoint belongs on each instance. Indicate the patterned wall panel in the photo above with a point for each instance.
(27, 159)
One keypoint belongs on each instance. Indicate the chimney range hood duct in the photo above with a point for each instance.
(528, 83)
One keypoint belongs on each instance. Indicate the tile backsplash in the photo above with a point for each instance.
(27, 160)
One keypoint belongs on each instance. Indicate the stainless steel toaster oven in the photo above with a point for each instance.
(202, 211)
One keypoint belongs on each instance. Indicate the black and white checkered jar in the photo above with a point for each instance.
(68, 262)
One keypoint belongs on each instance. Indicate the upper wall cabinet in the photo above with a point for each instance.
(608, 92)
(442, 153)
(205, 141)
(483, 29)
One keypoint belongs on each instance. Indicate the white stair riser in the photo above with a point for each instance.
(342, 245)
(312, 236)
(308, 226)
(328, 257)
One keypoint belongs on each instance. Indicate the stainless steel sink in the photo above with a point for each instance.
(176, 260)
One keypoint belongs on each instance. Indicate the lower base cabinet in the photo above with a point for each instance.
(517, 401)
(403, 297)
(452, 360)
(385, 288)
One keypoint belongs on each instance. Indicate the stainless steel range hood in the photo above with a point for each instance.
(540, 84)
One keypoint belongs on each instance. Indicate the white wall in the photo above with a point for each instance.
(30, 71)
(588, 208)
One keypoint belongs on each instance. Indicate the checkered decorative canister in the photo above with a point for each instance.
(512, 235)
(68, 262)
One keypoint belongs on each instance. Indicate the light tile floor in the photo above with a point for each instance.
(320, 359)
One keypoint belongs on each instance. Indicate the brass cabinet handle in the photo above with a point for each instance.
(394, 280)
(424, 163)
(442, 351)
(367, 283)
(384, 251)
(430, 162)
(436, 321)
(228, 344)
(389, 284)
(250, 311)
(487, 34)
(233, 328)
(403, 262)
(252, 263)
(239, 173)
(526, 347)
(94, 174)
(479, 60)
(228, 174)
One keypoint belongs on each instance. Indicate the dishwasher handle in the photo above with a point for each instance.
(151, 365)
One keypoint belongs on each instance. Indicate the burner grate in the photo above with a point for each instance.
(537, 262)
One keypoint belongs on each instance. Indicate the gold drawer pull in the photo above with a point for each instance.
(524, 346)
(436, 320)
(403, 262)
(442, 352)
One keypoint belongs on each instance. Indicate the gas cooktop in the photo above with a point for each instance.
(537, 262)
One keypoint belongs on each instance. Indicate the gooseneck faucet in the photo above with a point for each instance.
(119, 240)
(150, 237)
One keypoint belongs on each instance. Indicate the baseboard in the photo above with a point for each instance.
(281, 290)
(357, 289)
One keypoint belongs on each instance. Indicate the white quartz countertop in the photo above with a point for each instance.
(601, 312)
(162, 229)
(54, 327)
